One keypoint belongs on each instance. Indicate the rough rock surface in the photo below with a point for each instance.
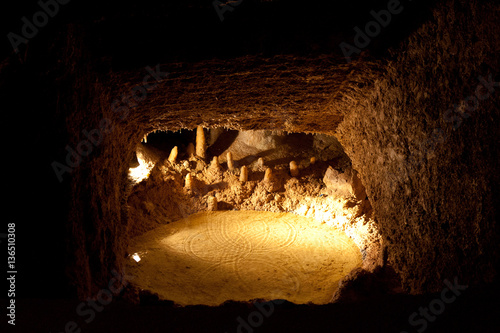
(336, 183)
(163, 198)
(428, 159)
(432, 186)
(430, 174)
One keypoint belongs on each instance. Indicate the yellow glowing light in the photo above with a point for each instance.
(140, 172)
(244, 255)
(136, 257)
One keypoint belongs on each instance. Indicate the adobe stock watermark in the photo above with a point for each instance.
(372, 29)
(87, 309)
(469, 104)
(420, 320)
(223, 7)
(30, 28)
(454, 116)
(255, 319)
(94, 137)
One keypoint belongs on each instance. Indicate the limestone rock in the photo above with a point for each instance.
(173, 155)
(200, 142)
(294, 169)
(190, 150)
(212, 203)
(244, 174)
(230, 162)
(336, 183)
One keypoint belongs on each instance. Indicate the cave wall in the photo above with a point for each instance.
(97, 195)
(184, 96)
(432, 186)
(429, 166)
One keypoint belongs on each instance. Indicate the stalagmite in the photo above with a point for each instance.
(313, 160)
(212, 203)
(173, 154)
(190, 149)
(268, 175)
(215, 163)
(294, 169)
(189, 182)
(230, 162)
(244, 174)
(260, 162)
(200, 142)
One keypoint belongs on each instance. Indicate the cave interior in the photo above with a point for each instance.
(254, 166)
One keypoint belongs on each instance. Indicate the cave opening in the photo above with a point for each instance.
(220, 215)
(415, 107)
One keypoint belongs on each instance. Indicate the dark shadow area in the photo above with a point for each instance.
(247, 160)
(166, 140)
(215, 187)
(474, 310)
(129, 33)
(39, 89)
(223, 142)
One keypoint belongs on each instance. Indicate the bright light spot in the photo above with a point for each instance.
(140, 172)
(302, 210)
(136, 257)
(341, 220)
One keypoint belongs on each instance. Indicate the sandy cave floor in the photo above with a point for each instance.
(211, 257)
